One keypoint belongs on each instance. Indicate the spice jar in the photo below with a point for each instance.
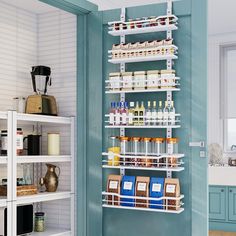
(153, 79)
(172, 145)
(153, 21)
(158, 148)
(115, 79)
(127, 80)
(131, 24)
(139, 80)
(39, 222)
(4, 142)
(147, 148)
(113, 160)
(168, 78)
(145, 22)
(19, 142)
(124, 149)
(135, 150)
(138, 24)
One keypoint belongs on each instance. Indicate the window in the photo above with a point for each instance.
(228, 96)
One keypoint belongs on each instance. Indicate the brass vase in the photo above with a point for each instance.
(51, 178)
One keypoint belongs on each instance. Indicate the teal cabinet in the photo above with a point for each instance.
(232, 204)
(217, 203)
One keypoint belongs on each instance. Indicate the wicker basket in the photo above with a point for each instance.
(21, 190)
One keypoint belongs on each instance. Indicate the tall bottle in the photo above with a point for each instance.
(148, 114)
(112, 113)
(141, 114)
(154, 113)
(136, 114)
(118, 114)
(131, 113)
(160, 114)
(166, 114)
(172, 114)
(124, 113)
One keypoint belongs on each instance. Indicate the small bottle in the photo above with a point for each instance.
(112, 114)
(172, 114)
(141, 114)
(160, 114)
(154, 114)
(136, 114)
(148, 114)
(131, 113)
(166, 114)
(117, 114)
(124, 113)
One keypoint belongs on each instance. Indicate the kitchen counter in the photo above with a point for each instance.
(222, 175)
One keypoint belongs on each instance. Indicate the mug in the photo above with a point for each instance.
(33, 144)
(53, 144)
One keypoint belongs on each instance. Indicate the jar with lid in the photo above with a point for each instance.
(172, 145)
(114, 148)
(4, 142)
(167, 78)
(135, 150)
(127, 80)
(139, 80)
(131, 24)
(115, 79)
(153, 79)
(147, 149)
(124, 149)
(39, 222)
(158, 148)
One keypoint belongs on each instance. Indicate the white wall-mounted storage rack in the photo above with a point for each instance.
(11, 201)
(169, 55)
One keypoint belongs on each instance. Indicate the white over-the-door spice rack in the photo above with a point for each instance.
(11, 161)
(122, 61)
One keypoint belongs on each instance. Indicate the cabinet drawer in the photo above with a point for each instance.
(217, 203)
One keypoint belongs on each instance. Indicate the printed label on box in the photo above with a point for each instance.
(170, 188)
(113, 185)
(142, 186)
(128, 185)
(156, 188)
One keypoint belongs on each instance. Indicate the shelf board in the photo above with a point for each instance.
(173, 169)
(53, 232)
(145, 30)
(141, 127)
(43, 119)
(143, 91)
(3, 202)
(42, 159)
(3, 160)
(143, 59)
(144, 209)
(43, 197)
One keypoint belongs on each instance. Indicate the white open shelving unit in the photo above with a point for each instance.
(12, 201)
(122, 61)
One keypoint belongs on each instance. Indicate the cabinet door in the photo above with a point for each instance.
(232, 203)
(217, 204)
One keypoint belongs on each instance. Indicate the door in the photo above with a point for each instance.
(217, 203)
(232, 203)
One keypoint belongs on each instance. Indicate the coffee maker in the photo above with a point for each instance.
(41, 104)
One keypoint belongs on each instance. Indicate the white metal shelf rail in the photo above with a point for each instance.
(13, 119)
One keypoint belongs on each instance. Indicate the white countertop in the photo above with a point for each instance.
(222, 175)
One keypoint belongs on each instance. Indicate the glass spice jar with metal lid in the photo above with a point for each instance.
(153, 79)
(172, 145)
(147, 148)
(158, 148)
(127, 80)
(139, 80)
(39, 222)
(124, 150)
(135, 150)
(115, 81)
(113, 152)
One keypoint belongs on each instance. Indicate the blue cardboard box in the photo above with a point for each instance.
(128, 189)
(156, 191)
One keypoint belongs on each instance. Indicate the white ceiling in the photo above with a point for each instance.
(30, 5)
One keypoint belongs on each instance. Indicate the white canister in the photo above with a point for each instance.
(53, 144)
(115, 79)
(127, 81)
(153, 79)
(139, 80)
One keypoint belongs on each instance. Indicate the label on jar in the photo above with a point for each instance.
(124, 118)
(131, 118)
(170, 148)
(142, 187)
(156, 188)
(19, 141)
(111, 118)
(4, 143)
(117, 118)
(123, 147)
(113, 185)
(170, 188)
(128, 185)
(148, 116)
(154, 117)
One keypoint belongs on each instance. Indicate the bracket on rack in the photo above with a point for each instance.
(169, 7)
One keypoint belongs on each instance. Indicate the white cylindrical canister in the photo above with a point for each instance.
(53, 144)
